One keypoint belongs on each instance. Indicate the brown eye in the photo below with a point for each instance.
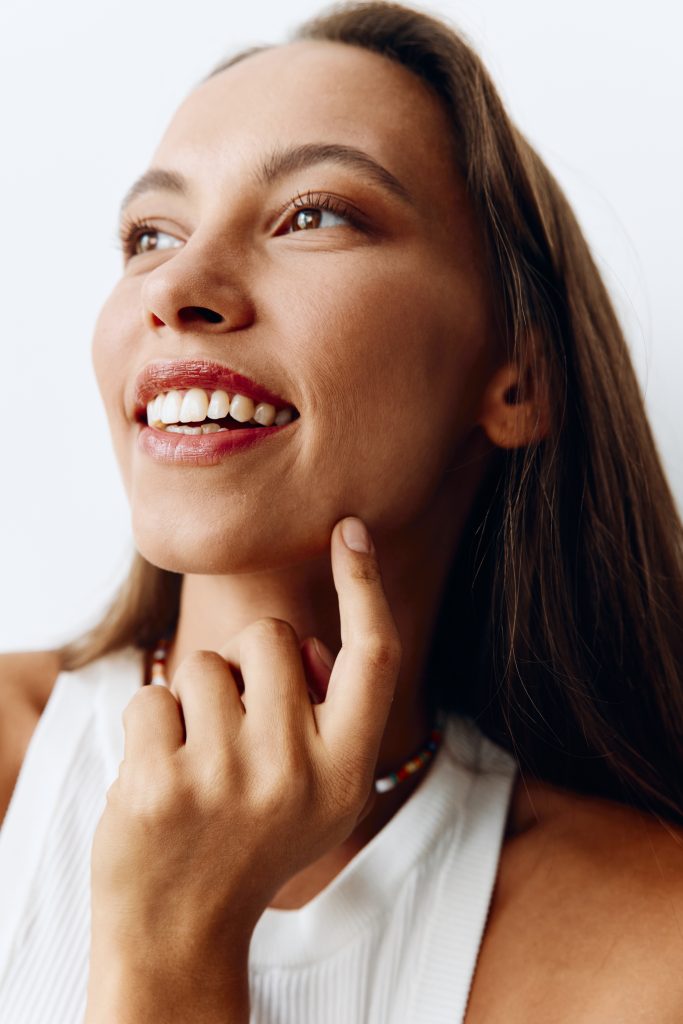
(151, 239)
(146, 241)
(314, 217)
(307, 219)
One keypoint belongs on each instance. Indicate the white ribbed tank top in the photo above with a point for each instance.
(393, 939)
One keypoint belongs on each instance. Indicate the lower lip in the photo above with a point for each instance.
(176, 449)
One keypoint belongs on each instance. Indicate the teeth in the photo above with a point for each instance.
(264, 414)
(219, 406)
(170, 410)
(159, 404)
(154, 409)
(194, 406)
(206, 428)
(176, 408)
(241, 408)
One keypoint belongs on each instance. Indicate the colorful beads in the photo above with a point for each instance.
(388, 782)
(158, 675)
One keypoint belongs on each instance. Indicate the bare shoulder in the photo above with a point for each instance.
(586, 921)
(26, 682)
(610, 845)
(28, 675)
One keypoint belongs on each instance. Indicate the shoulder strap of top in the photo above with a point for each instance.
(448, 957)
(89, 698)
(65, 716)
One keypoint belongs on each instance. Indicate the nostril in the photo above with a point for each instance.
(191, 313)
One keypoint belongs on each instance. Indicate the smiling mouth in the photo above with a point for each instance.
(198, 411)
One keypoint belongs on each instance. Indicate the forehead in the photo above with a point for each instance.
(314, 92)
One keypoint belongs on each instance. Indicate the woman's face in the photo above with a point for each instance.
(371, 316)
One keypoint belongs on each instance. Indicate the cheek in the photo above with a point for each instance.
(112, 343)
(389, 358)
(112, 351)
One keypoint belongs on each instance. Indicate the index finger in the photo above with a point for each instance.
(353, 716)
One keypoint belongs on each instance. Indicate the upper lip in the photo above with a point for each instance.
(166, 375)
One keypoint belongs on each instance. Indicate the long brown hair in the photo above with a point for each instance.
(561, 626)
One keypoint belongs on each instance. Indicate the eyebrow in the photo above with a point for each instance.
(287, 161)
(156, 179)
(276, 166)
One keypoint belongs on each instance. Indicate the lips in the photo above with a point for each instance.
(166, 375)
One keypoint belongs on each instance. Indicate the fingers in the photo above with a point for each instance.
(352, 703)
(363, 680)
(152, 723)
(207, 690)
(276, 693)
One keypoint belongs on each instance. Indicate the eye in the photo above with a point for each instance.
(315, 217)
(154, 239)
(316, 210)
(138, 238)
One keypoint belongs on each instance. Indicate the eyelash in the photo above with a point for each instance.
(132, 228)
(323, 201)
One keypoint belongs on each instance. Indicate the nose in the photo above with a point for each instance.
(197, 291)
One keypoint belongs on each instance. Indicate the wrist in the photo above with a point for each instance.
(145, 993)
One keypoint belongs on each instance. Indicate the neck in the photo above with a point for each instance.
(414, 563)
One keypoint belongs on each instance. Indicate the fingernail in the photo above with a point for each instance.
(355, 535)
(323, 653)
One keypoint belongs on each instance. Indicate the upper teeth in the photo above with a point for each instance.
(196, 404)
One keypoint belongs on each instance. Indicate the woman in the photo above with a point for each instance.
(400, 520)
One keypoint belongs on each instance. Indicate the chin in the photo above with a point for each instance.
(197, 552)
(231, 548)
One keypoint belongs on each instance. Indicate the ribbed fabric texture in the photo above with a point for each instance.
(393, 939)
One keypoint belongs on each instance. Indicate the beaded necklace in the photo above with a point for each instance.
(382, 785)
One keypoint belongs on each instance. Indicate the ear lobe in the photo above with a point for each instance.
(507, 422)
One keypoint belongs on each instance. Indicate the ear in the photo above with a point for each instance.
(510, 423)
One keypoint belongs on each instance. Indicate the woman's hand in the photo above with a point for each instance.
(220, 800)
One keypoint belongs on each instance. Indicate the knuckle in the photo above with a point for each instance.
(287, 782)
(199, 661)
(365, 571)
(213, 786)
(272, 797)
(143, 698)
(383, 651)
(113, 793)
(150, 797)
(285, 762)
(297, 772)
(271, 630)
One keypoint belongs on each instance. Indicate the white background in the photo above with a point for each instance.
(87, 90)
